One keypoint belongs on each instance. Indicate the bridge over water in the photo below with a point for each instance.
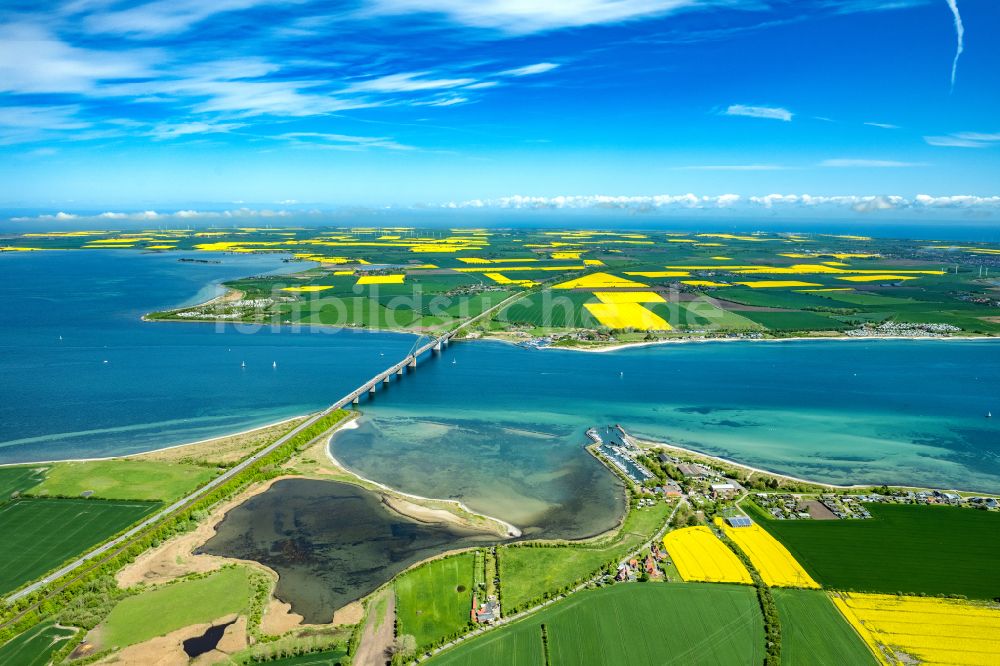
(109, 548)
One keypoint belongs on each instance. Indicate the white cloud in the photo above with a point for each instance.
(530, 70)
(154, 215)
(851, 202)
(769, 112)
(965, 140)
(959, 39)
(23, 124)
(520, 202)
(443, 101)
(528, 16)
(481, 85)
(883, 125)
(407, 82)
(957, 201)
(164, 17)
(342, 141)
(33, 60)
(863, 163)
(174, 130)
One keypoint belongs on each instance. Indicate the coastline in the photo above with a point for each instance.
(651, 443)
(162, 448)
(840, 338)
(512, 530)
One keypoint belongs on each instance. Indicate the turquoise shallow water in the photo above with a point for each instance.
(908, 412)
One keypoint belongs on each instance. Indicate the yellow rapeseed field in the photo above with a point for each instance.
(309, 288)
(629, 297)
(932, 630)
(500, 278)
(627, 315)
(566, 255)
(700, 556)
(658, 274)
(875, 278)
(381, 279)
(599, 281)
(776, 565)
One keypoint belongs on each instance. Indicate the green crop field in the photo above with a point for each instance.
(434, 600)
(795, 321)
(38, 534)
(170, 607)
(19, 479)
(632, 623)
(903, 548)
(527, 573)
(123, 479)
(814, 633)
(550, 309)
(35, 646)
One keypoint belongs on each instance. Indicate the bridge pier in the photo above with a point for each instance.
(400, 371)
(437, 347)
(356, 400)
(413, 362)
(371, 390)
(385, 380)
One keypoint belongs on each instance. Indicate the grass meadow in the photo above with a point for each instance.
(526, 573)
(434, 600)
(166, 608)
(123, 479)
(39, 534)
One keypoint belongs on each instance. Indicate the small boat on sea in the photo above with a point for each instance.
(243, 364)
(274, 364)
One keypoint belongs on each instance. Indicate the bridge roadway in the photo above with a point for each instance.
(352, 397)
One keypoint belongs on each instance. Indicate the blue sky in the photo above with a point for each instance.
(847, 104)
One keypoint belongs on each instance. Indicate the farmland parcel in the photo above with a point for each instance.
(37, 535)
(629, 624)
(903, 548)
(935, 631)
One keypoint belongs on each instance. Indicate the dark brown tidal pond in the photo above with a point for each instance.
(330, 542)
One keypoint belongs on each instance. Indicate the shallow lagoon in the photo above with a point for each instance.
(330, 542)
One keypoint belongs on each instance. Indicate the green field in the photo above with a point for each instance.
(814, 633)
(527, 573)
(434, 601)
(35, 646)
(39, 534)
(795, 321)
(170, 607)
(123, 479)
(19, 479)
(903, 548)
(627, 624)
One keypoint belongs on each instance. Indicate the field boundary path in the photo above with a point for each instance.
(510, 619)
(378, 633)
(354, 396)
